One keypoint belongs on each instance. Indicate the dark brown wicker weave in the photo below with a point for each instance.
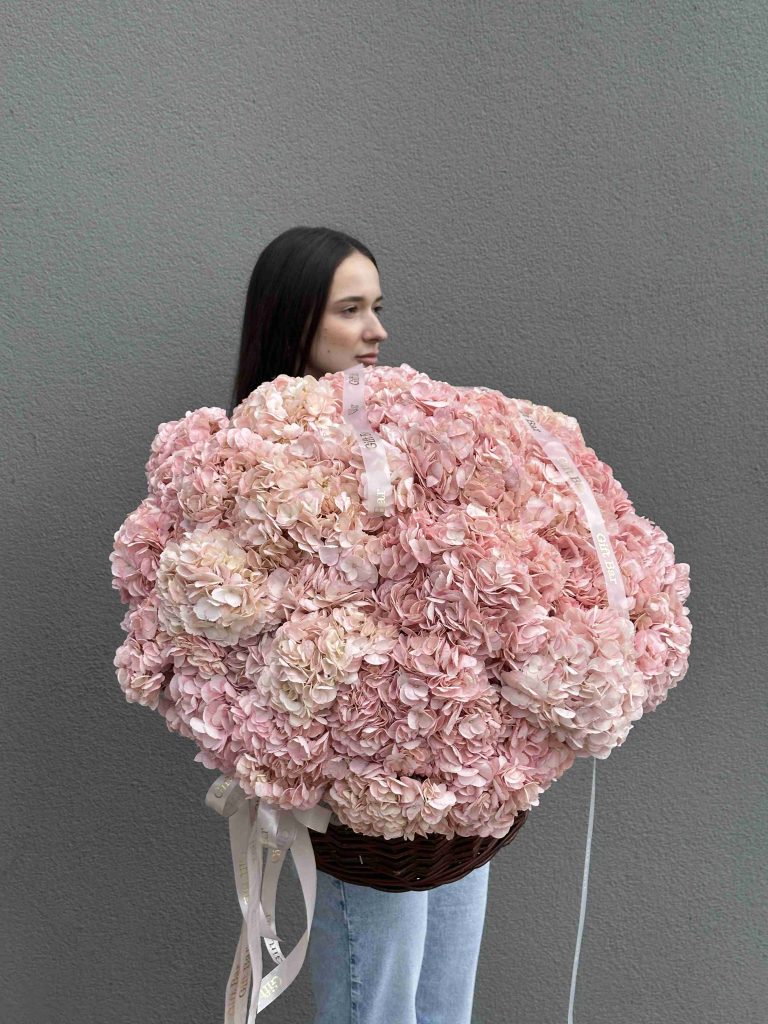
(401, 865)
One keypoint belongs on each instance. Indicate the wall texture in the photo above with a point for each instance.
(568, 202)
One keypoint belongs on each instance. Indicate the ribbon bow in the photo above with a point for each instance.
(256, 826)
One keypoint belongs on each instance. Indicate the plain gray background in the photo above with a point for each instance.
(568, 202)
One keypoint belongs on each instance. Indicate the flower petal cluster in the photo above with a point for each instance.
(432, 670)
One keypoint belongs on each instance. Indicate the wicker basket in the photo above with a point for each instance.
(402, 865)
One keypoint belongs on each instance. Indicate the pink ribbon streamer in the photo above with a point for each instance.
(617, 599)
(558, 454)
(379, 495)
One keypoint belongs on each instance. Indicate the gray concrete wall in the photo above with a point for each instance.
(568, 202)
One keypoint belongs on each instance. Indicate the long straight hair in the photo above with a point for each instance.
(287, 295)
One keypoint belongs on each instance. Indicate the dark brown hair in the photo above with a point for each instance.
(287, 295)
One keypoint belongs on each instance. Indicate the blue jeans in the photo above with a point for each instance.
(396, 958)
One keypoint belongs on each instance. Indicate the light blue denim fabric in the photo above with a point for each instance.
(396, 958)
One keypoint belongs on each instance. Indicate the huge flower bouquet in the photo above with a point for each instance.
(430, 663)
(433, 669)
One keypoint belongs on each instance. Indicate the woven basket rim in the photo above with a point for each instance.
(399, 864)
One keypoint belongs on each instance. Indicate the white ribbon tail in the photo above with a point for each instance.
(617, 599)
(255, 827)
(583, 909)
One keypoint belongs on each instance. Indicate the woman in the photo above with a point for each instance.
(313, 307)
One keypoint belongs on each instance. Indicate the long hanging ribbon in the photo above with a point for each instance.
(256, 826)
(617, 599)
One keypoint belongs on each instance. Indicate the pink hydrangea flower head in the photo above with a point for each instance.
(430, 670)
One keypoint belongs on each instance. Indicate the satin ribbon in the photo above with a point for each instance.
(378, 482)
(256, 827)
(557, 453)
(617, 599)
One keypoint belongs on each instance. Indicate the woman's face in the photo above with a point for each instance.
(350, 326)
